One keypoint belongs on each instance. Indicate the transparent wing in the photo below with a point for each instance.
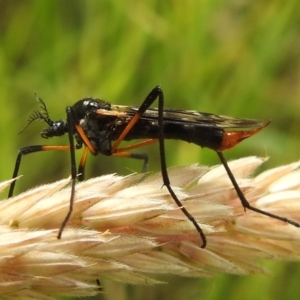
(187, 117)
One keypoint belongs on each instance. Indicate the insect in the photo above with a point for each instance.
(100, 127)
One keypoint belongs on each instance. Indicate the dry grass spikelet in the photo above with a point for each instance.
(129, 228)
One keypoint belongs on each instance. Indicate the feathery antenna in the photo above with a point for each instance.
(37, 115)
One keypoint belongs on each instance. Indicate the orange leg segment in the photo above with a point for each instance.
(134, 146)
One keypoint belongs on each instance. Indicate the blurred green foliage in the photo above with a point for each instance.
(235, 57)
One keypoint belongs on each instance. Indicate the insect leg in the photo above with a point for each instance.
(244, 201)
(82, 164)
(122, 152)
(73, 125)
(38, 148)
(100, 288)
(164, 171)
(153, 95)
(135, 155)
(29, 150)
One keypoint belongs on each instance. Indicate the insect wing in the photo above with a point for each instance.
(186, 117)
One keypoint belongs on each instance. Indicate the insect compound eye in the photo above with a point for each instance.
(58, 128)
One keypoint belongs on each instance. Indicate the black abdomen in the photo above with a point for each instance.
(209, 137)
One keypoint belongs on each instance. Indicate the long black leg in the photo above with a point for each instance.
(153, 95)
(29, 150)
(158, 92)
(73, 125)
(244, 201)
(71, 120)
(38, 148)
(23, 151)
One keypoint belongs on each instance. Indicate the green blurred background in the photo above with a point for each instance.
(236, 57)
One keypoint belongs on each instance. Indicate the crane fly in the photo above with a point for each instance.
(100, 127)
